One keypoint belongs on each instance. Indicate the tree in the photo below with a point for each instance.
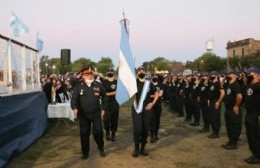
(210, 62)
(104, 64)
(81, 63)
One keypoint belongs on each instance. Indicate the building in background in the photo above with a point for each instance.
(243, 47)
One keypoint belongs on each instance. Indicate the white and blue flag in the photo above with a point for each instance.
(126, 82)
(39, 43)
(19, 28)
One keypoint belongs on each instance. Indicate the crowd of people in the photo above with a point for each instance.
(194, 96)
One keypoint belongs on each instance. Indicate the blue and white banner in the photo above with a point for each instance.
(19, 28)
(140, 105)
(126, 83)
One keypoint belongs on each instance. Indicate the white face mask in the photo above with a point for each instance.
(89, 81)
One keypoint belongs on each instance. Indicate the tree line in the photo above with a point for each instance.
(207, 62)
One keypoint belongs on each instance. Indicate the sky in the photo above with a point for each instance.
(174, 29)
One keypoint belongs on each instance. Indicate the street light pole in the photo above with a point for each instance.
(53, 68)
(46, 68)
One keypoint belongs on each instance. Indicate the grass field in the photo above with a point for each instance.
(180, 146)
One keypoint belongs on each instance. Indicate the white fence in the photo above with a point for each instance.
(19, 67)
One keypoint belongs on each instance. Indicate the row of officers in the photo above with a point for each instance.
(94, 101)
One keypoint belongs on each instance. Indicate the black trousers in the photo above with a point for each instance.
(155, 118)
(85, 122)
(141, 125)
(180, 104)
(187, 107)
(204, 107)
(253, 132)
(111, 117)
(195, 109)
(215, 115)
(233, 125)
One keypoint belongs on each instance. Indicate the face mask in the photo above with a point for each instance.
(141, 75)
(154, 80)
(88, 81)
(110, 75)
(228, 78)
(250, 78)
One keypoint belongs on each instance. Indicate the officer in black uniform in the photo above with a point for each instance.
(186, 93)
(195, 106)
(203, 97)
(179, 95)
(141, 120)
(157, 110)
(252, 120)
(86, 106)
(216, 95)
(112, 112)
(233, 112)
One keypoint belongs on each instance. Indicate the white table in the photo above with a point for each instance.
(60, 110)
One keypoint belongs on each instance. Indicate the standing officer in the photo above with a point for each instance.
(157, 110)
(111, 116)
(141, 120)
(233, 112)
(216, 95)
(179, 95)
(252, 121)
(194, 101)
(203, 99)
(187, 99)
(87, 107)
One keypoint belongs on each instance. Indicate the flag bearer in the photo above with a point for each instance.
(141, 120)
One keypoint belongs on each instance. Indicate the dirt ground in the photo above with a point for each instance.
(180, 146)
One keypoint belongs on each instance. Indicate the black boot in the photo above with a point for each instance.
(156, 135)
(143, 151)
(136, 151)
(152, 137)
(113, 136)
(108, 136)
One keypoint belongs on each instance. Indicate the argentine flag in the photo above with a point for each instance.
(39, 43)
(126, 82)
(19, 28)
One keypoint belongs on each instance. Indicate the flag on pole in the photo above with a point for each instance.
(39, 43)
(19, 28)
(126, 82)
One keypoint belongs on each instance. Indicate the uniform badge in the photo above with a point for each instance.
(228, 91)
(212, 88)
(113, 86)
(202, 88)
(249, 92)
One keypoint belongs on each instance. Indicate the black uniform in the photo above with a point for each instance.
(204, 107)
(179, 97)
(156, 114)
(233, 121)
(87, 100)
(111, 115)
(252, 102)
(194, 104)
(187, 100)
(141, 121)
(215, 114)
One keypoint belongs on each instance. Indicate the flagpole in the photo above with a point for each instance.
(9, 61)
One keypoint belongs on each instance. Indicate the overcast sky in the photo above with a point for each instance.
(174, 29)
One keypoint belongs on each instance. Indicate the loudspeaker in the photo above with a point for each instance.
(65, 56)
